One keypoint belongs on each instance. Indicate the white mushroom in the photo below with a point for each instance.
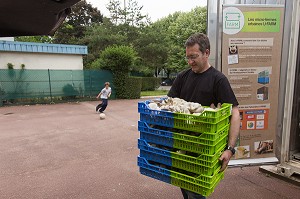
(197, 114)
(153, 106)
(209, 109)
(200, 109)
(186, 110)
(176, 105)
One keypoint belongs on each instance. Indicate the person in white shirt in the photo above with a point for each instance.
(104, 95)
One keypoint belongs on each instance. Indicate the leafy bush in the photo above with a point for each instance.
(10, 66)
(117, 58)
(150, 83)
(11, 71)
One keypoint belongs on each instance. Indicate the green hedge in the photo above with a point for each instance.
(150, 83)
(127, 87)
(120, 79)
(133, 88)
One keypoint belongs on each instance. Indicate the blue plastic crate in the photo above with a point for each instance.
(162, 118)
(156, 136)
(143, 108)
(166, 138)
(180, 161)
(208, 122)
(194, 184)
(173, 139)
(153, 171)
(154, 154)
(157, 120)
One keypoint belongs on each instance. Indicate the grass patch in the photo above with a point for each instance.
(154, 93)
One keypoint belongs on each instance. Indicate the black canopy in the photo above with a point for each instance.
(32, 17)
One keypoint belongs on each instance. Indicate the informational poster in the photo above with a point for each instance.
(251, 55)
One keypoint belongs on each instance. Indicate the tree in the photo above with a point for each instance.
(128, 18)
(179, 30)
(98, 37)
(82, 16)
(123, 28)
(130, 13)
(152, 49)
(154, 44)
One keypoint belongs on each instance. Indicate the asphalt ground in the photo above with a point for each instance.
(65, 151)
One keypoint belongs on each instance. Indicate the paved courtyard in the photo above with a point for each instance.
(65, 151)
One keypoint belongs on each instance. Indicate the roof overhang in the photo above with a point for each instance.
(32, 17)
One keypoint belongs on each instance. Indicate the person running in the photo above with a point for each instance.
(104, 95)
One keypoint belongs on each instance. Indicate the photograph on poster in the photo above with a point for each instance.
(233, 57)
(263, 93)
(262, 147)
(242, 152)
(250, 125)
(233, 50)
(260, 124)
(263, 77)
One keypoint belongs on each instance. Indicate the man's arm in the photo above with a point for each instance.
(233, 135)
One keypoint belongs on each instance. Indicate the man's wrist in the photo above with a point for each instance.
(231, 149)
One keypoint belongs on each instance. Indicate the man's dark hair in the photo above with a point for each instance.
(200, 39)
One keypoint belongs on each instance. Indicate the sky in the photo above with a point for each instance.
(156, 9)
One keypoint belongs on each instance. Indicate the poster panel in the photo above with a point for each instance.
(251, 55)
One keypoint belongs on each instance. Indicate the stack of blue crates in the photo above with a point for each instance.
(183, 149)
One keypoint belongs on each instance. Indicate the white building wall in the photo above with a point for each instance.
(41, 61)
(7, 38)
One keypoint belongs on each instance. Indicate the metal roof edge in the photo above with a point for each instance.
(32, 47)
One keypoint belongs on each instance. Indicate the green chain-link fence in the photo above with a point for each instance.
(52, 84)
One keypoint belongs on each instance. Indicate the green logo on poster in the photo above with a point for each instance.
(232, 21)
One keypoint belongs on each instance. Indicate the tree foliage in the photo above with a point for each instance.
(130, 13)
(185, 25)
(40, 39)
(152, 49)
(99, 37)
(123, 28)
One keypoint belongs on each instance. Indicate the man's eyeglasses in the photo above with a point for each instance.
(192, 57)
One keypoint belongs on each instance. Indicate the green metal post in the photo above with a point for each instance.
(50, 85)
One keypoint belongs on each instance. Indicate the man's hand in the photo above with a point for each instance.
(225, 157)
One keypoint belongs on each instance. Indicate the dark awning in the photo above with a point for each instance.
(32, 17)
